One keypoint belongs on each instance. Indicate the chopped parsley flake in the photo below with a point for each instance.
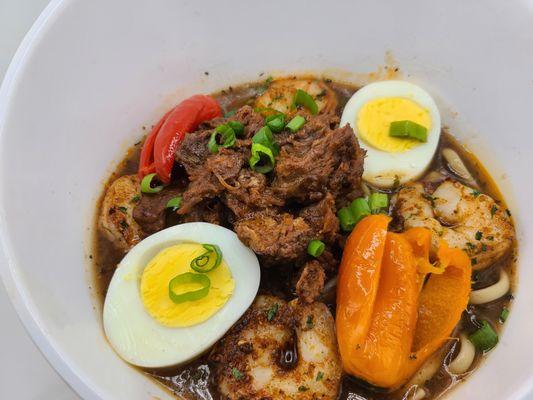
(479, 235)
(272, 312)
(309, 322)
(237, 374)
(303, 389)
(319, 376)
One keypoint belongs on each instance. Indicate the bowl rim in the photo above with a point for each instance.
(8, 273)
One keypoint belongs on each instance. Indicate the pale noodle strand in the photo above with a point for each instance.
(492, 292)
(464, 359)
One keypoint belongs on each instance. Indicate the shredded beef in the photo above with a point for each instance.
(311, 282)
(150, 211)
(318, 170)
(322, 218)
(276, 237)
(318, 160)
(251, 194)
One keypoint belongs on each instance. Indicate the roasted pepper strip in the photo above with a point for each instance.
(158, 150)
(357, 286)
(380, 358)
(388, 324)
(441, 304)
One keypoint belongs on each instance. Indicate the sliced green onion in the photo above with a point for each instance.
(185, 279)
(377, 202)
(296, 123)
(263, 136)
(485, 338)
(237, 127)
(504, 315)
(146, 185)
(315, 248)
(346, 219)
(227, 136)
(209, 260)
(174, 203)
(275, 122)
(262, 159)
(302, 98)
(408, 129)
(360, 209)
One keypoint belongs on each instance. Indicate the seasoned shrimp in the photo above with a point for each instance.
(461, 216)
(280, 94)
(279, 351)
(116, 218)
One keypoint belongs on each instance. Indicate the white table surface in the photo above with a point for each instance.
(25, 373)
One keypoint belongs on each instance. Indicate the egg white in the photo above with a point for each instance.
(382, 168)
(140, 339)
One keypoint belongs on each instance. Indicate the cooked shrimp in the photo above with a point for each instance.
(280, 94)
(279, 351)
(116, 218)
(461, 216)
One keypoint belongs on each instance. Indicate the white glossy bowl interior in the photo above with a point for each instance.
(91, 73)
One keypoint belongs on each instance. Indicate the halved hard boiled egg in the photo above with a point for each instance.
(177, 292)
(392, 159)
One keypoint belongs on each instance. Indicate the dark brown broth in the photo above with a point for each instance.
(194, 381)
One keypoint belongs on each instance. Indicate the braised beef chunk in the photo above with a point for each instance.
(311, 282)
(276, 237)
(318, 160)
(251, 194)
(217, 174)
(193, 151)
(276, 214)
(207, 211)
(150, 211)
(322, 218)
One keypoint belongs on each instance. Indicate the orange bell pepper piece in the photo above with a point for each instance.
(357, 284)
(386, 327)
(441, 304)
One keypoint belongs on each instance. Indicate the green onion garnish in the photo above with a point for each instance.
(319, 376)
(227, 137)
(346, 219)
(185, 279)
(262, 159)
(275, 122)
(230, 113)
(237, 127)
(315, 248)
(377, 202)
(174, 203)
(302, 98)
(360, 209)
(485, 338)
(263, 136)
(504, 314)
(209, 260)
(146, 185)
(408, 129)
(296, 123)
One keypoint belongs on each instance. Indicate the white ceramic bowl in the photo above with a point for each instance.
(91, 73)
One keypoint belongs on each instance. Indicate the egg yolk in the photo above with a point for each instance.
(375, 117)
(176, 260)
